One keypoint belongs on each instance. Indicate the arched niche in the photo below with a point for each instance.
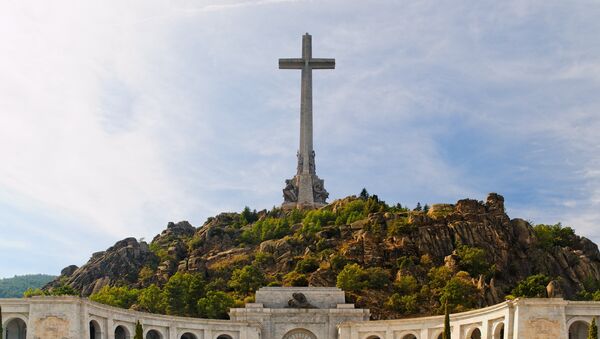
(188, 335)
(16, 329)
(499, 331)
(578, 330)
(95, 330)
(121, 332)
(153, 334)
(224, 336)
(474, 334)
(409, 336)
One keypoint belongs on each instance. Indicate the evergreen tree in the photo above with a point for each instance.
(426, 208)
(446, 334)
(139, 331)
(364, 194)
(593, 331)
(1, 329)
(418, 208)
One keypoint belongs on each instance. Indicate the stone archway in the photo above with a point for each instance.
(409, 336)
(224, 336)
(121, 332)
(188, 335)
(578, 330)
(16, 329)
(475, 334)
(153, 334)
(499, 331)
(95, 332)
(299, 334)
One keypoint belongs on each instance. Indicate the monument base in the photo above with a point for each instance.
(304, 191)
(288, 206)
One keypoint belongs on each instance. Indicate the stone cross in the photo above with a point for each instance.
(306, 189)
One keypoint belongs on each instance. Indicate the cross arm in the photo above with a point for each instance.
(291, 63)
(322, 63)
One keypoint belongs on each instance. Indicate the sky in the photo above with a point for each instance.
(117, 117)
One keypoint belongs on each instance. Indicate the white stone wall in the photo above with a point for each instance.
(70, 317)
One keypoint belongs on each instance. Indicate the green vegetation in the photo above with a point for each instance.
(550, 236)
(139, 331)
(15, 287)
(1, 329)
(123, 297)
(247, 280)
(269, 228)
(473, 260)
(446, 333)
(62, 288)
(365, 246)
(215, 305)
(533, 286)
(593, 330)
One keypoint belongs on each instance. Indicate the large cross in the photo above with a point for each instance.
(307, 63)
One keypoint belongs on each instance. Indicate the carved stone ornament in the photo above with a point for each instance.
(290, 192)
(299, 301)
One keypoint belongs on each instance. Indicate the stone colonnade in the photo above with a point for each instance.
(78, 318)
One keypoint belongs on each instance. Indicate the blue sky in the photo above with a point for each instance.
(118, 117)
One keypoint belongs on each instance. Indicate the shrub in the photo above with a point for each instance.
(266, 229)
(554, 235)
(533, 286)
(400, 227)
(263, 259)
(406, 284)
(151, 299)
(406, 304)
(123, 297)
(295, 279)
(352, 278)
(307, 265)
(377, 277)
(472, 260)
(459, 293)
(247, 279)
(215, 305)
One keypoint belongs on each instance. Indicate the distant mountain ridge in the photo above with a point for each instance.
(15, 286)
(395, 261)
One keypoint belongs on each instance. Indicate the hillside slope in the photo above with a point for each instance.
(395, 261)
(15, 286)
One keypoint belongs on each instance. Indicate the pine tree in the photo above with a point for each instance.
(418, 208)
(139, 331)
(593, 331)
(364, 194)
(446, 334)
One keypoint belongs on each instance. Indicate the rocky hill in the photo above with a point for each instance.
(395, 261)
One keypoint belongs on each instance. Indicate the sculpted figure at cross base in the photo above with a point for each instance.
(319, 191)
(290, 192)
(299, 301)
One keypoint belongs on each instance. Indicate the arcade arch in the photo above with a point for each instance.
(578, 330)
(16, 329)
(499, 331)
(153, 334)
(188, 335)
(121, 332)
(95, 332)
(475, 334)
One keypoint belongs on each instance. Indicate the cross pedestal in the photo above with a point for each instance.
(305, 189)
